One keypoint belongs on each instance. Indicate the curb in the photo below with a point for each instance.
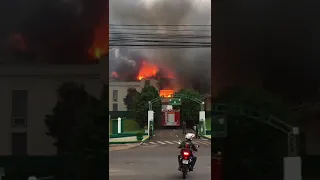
(131, 142)
(126, 142)
(144, 140)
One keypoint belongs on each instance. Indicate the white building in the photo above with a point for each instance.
(118, 91)
(27, 95)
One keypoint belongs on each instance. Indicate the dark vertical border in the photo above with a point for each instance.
(217, 144)
(105, 166)
(212, 83)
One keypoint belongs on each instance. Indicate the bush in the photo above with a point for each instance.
(140, 134)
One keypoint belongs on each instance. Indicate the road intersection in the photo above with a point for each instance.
(159, 162)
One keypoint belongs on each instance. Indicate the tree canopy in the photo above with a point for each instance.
(129, 99)
(189, 108)
(76, 125)
(141, 106)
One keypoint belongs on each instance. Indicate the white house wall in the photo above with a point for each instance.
(122, 88)
(41, 84)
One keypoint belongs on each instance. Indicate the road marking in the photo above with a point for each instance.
(176, 142)
(169, 142)
(152, 143)
(161, 142)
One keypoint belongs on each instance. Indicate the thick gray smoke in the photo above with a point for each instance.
(191, 66)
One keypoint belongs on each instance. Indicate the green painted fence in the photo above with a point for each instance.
(131, 114)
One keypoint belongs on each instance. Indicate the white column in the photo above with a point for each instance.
(150, 118)
(292, 168)
(2, 172)
(202, 118)
(119, 125)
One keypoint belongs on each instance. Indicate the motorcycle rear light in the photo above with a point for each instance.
(186, 153)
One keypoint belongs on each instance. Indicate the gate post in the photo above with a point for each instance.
(202, 120)
(292, 163)
(119, 125)
(150, 121)
(216, 166)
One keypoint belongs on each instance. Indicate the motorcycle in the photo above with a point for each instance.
(185, 157)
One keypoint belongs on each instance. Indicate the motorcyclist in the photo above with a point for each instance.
(187, 144)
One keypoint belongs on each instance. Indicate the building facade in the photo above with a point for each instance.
(118, 91)
(28, 94)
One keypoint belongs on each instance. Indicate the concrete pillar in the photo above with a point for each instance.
(202, 119)
(2, 172)
(150, 119)
(292, 168)
(119, 125)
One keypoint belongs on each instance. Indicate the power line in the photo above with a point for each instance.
(175, 36)
(160, 46)
(159, 29)
(164, 25)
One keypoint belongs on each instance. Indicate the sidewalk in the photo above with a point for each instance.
(207, 136)
(117, 147)
(125, 140)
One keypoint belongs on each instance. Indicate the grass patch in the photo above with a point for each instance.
(130, 125)
(208, 123)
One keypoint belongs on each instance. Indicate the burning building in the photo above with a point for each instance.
(118, 91)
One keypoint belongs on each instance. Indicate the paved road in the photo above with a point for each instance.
(200, 142)
(158, 163)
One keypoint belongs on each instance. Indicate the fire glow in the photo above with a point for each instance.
(114, 75)
(147, 70)
(100, 44)
(166, 93)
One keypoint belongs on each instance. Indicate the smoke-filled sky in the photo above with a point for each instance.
(192, 66)
(58, 31)
(274, 43)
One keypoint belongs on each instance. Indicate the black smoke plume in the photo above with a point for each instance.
(192, 67)
(55, 31)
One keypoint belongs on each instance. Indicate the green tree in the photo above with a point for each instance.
(141, 106)
(128, 100)
(77, 125)
(189, 108)
(253, 150)
(73, 100)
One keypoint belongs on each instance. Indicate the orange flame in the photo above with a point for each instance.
(147, 70)
(100, 44)
(166, 93)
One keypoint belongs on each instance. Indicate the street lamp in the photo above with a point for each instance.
(202, 106)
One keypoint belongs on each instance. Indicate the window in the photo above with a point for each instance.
(19, 144)
(19, 108)
(115, 95)
(114, 107)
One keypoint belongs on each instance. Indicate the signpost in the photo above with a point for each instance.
(175, 101)
(219, 126)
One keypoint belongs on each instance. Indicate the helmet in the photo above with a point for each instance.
(189, 136)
